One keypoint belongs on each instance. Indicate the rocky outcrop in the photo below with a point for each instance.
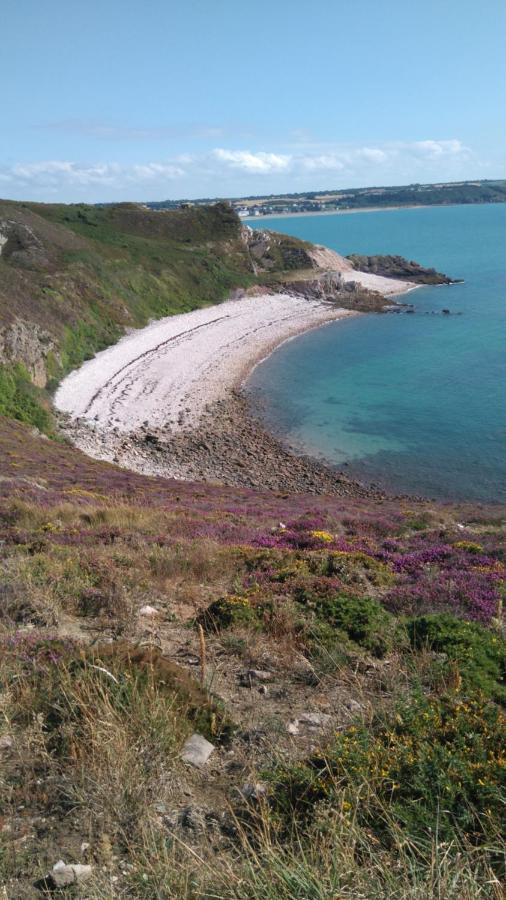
(28, 344)
(269, 250)
(399, 268)
(331, 287)
(325, 258)
(20, 245)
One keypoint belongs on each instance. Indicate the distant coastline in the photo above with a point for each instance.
(344, 212)
(365, 199)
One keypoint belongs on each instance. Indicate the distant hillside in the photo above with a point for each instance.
(446, 193)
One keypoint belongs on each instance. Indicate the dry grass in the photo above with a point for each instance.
(96, 744)
(338, 863)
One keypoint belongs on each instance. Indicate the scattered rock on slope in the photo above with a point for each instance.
(196, 750)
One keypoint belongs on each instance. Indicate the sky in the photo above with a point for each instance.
(107, 100)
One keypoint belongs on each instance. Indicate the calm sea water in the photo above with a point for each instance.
(415, 403)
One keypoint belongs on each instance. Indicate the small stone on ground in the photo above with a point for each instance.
(196, 750)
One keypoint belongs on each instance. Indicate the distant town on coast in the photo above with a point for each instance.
(442, 194)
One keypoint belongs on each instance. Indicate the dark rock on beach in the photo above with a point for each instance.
(400, 268)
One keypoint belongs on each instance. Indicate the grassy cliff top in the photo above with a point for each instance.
(82, 274)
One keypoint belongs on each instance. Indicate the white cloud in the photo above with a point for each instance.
(325, 162)
(372, 154)
(253, 162)
(229, 171)
(439, 148)
(156, 170)
(64, 172)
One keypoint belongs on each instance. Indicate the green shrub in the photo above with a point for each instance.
(480, 654)
(229, 611)
(19, 398)
(362, 619)
(327, 648)
(435, 768)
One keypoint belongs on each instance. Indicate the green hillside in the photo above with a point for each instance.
(73, 278)
(81, 275)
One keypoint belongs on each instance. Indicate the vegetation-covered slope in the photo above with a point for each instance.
(344, 657)
(73, 278)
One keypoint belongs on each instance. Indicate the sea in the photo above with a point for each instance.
(413, 403)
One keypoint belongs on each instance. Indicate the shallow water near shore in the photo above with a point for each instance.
(415, 403)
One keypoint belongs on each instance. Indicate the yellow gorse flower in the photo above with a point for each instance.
(322, 536)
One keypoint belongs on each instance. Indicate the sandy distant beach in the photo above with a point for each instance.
(339, 212)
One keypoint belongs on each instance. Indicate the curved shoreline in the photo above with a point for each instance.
(166, 400)
(341, 212)
(169, 372)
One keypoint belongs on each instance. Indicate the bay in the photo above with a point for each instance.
(415, 403)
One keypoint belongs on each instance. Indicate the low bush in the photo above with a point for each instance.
(356, 567)
(19, 399)
(362, 619)
(229, 611)
(436, 767)
(479, 654)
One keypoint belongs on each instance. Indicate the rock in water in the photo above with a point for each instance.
(398, 267)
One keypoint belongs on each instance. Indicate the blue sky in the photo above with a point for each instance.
(117, 100)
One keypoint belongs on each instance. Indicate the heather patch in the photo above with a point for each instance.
(464, 592)
(84, 582)
(35, 651)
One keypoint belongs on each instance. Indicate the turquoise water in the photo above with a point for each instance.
(415, 403)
